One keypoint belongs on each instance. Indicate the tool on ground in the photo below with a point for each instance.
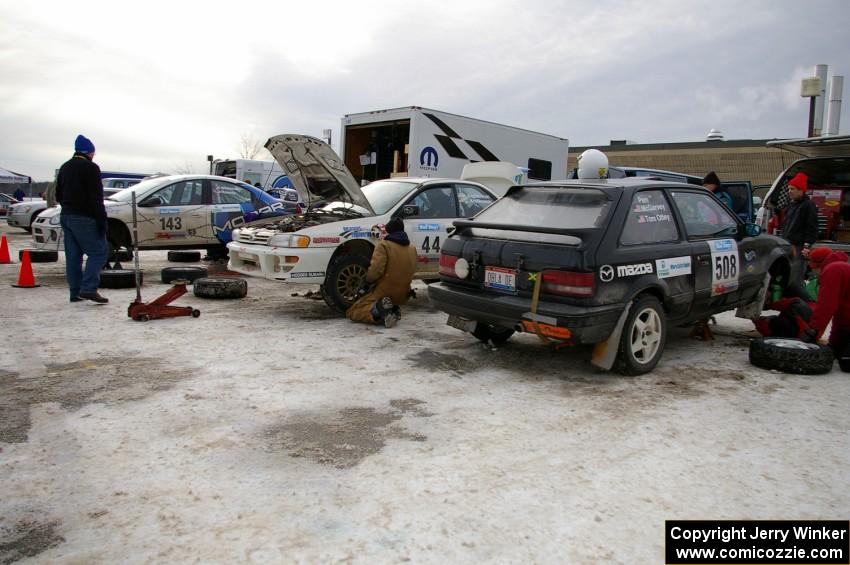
(25, 276)
(159, 308)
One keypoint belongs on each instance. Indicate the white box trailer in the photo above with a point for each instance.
(267, 174)
(419, 142)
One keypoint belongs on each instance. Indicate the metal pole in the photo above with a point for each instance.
(811, 132)
(136, 249)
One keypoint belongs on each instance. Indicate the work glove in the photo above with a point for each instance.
(809, 335)
(365, 288)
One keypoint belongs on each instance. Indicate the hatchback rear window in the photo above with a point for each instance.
(554, 207)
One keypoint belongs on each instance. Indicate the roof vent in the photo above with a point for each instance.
(714, 135)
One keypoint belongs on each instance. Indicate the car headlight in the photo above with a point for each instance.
(21, 209)
(289, 240)
(54, 221)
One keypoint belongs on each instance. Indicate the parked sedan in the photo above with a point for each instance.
(175, 212)
(6, 202)
(23, 215)
(608, 262)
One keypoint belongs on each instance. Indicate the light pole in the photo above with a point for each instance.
(210, 159)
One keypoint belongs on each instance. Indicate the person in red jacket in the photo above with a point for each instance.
(833, 303)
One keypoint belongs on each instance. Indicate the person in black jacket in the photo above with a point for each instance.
(800, 226)
(80, 192)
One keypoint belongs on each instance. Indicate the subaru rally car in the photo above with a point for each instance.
(332, 245)
(608, 262)
(175, 212)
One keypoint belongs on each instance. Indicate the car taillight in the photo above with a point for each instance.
(447, 265)
(567, 283)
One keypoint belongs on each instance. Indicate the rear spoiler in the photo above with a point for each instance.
(534, 229)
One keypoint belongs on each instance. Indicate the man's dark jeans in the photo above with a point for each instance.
(83, 237)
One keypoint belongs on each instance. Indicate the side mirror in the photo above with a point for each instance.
(409, 210)
(752, 230)
(151, 202)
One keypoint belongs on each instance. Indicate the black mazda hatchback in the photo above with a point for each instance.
(609, 262)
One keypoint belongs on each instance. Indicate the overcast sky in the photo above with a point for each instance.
(159, 85)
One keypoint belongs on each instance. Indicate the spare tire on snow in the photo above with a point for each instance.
(184, 256)
(119, 278)
(220, 287)
(40, 255)
(791, 356)
(170, 274)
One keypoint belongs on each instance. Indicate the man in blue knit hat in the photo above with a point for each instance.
(80, 192)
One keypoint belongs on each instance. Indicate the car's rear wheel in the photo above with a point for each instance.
(791, 356)
(643, 338)
(495, 334)
(344, 278)
(120, 248)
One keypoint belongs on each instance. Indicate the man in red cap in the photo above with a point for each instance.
(833, 273)
(800, 227)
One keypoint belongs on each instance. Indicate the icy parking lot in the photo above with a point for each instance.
(271, 430)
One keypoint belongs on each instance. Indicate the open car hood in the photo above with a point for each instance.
(315, 170)
(832, 146)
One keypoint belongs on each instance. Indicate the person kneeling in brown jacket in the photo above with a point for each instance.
(391, 270)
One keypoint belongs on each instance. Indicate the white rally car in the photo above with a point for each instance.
(174, 212)
(332, 245)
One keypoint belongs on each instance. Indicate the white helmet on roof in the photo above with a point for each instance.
(592, 164)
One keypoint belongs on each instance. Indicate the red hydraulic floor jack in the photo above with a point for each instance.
(159, 308)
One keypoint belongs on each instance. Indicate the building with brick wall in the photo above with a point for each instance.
(744, 159)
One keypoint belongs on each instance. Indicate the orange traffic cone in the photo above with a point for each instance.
(25, 278)
(4, 251)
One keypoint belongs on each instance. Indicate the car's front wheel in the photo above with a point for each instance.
(344, 278)
(643, 337)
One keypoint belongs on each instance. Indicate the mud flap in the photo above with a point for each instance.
(605, 352)
(753, 310)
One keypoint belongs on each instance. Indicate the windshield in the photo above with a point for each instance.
(554, 207)
(126, 195)
(384, 194)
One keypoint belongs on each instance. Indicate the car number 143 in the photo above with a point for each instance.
(171, 223)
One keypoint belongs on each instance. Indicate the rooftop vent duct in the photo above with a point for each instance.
(714, 135)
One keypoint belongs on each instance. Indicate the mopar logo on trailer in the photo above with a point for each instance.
(428, 159)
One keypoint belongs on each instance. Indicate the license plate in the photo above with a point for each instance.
(461, 323)
(500, 278)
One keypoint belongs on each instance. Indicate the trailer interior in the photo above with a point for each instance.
(378, 150)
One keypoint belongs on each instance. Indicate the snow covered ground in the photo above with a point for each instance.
(271, 430)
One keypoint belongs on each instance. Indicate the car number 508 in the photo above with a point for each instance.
(725, 267)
